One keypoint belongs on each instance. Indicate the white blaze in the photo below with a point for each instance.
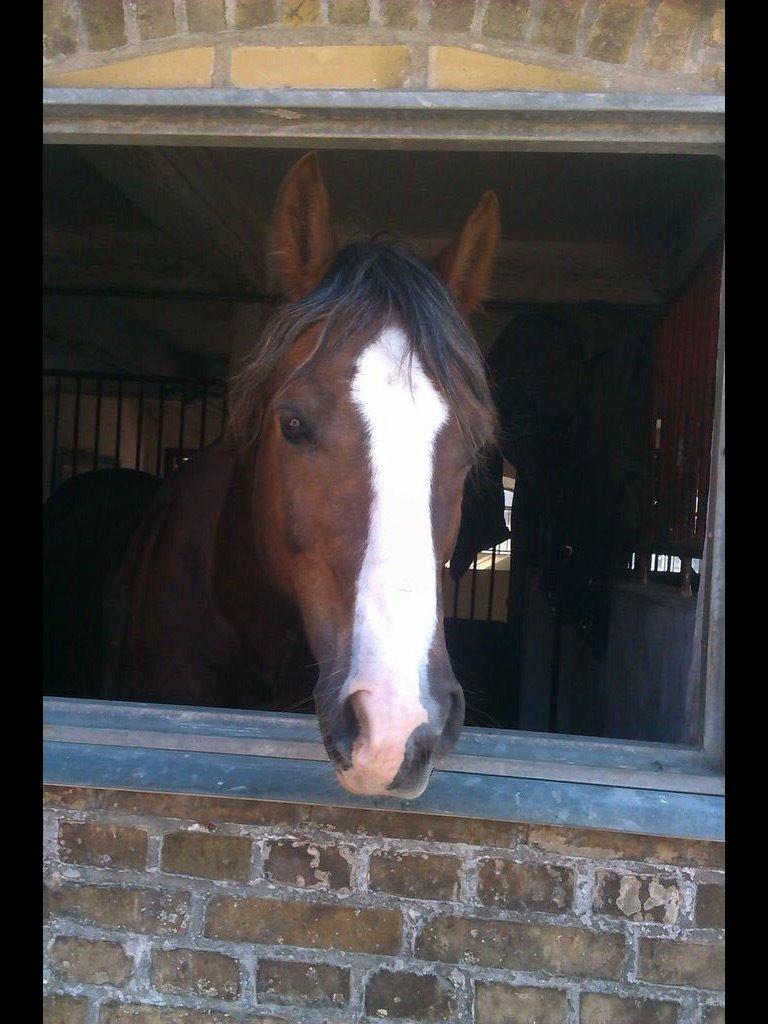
(396, 601)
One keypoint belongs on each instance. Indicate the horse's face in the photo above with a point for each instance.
(361, 467)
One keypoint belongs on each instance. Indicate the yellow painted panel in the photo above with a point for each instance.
(187, 68)
(453, 67)
(319, 67)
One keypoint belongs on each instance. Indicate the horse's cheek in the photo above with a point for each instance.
(446, 520)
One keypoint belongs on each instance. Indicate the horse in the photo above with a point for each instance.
(87, 525)
(304, 549)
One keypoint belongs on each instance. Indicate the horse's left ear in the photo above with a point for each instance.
(466, 264)
(303, 239)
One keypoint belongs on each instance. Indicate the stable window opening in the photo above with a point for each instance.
(573, 609)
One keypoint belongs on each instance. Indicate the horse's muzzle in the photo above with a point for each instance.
(388, 757)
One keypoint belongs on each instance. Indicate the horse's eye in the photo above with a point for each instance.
(294, 429)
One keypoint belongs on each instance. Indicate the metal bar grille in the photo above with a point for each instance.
(680, 428)
(481, 594)
(99, 421)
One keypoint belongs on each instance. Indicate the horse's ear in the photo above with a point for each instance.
(303, 239)
(466, 264)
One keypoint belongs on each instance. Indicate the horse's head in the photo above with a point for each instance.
(368, 402)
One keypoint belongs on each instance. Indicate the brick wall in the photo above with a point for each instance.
(592, 45)
(185, 910)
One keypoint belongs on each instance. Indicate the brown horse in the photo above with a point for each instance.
(331, 503)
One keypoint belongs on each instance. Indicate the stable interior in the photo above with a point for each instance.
(156, 279)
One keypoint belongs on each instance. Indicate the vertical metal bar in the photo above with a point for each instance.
(76, 428)
(473, 591)
(55, 440)
(182, 415)
(160, 413)
(708, 399)
(687, 391)
(641, 567)
(707, 359)
(139, 421)
(697, 331)
(203, 413)
(557, 657)
(491, 583)
(677, 438)
(119, 425)
(660, 429)
(97, 425)
(685, 576)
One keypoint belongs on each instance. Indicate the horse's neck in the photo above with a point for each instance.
(270, 636)
(243, 587)
(192, 614)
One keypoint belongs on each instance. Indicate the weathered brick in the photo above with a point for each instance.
(106, 846)
(716, 31)
(506, 19)
(253, 13)
(207, 856)
(154, 911)
(423, 997)
(580, 842)
(671, 34)
(138, 1013)
(212, 975)
(415, 875)
(497, 1003)
(399, 13)
(60, 35)
(308, 865)
(205, 15)
(637, 897)
(269, 1019)
(349, 12)
(288, 982)
(300, 13)
(63, 1009)
(455, 16)
(613, 31)
(608, 1009)
(311, 925)
(155, 18)
(710, 906)
(104, 23)
(436, 828)
(525, 886)
(670, 962)
(716, 74)
(92, 961)
(522, 947)
(558, 24)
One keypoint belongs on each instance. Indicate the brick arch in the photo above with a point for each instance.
(586, 45)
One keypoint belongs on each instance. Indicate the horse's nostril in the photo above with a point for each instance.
(417, 762)
(339, 727)
(338, 759)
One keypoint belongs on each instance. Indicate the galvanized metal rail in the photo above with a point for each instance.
(352, 118)
(650, 788)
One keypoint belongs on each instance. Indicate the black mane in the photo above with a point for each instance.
(373, 284)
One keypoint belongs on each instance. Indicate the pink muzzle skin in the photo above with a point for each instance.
(386, 723)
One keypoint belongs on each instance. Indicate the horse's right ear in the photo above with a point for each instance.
(303, 239)
(466, 264)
